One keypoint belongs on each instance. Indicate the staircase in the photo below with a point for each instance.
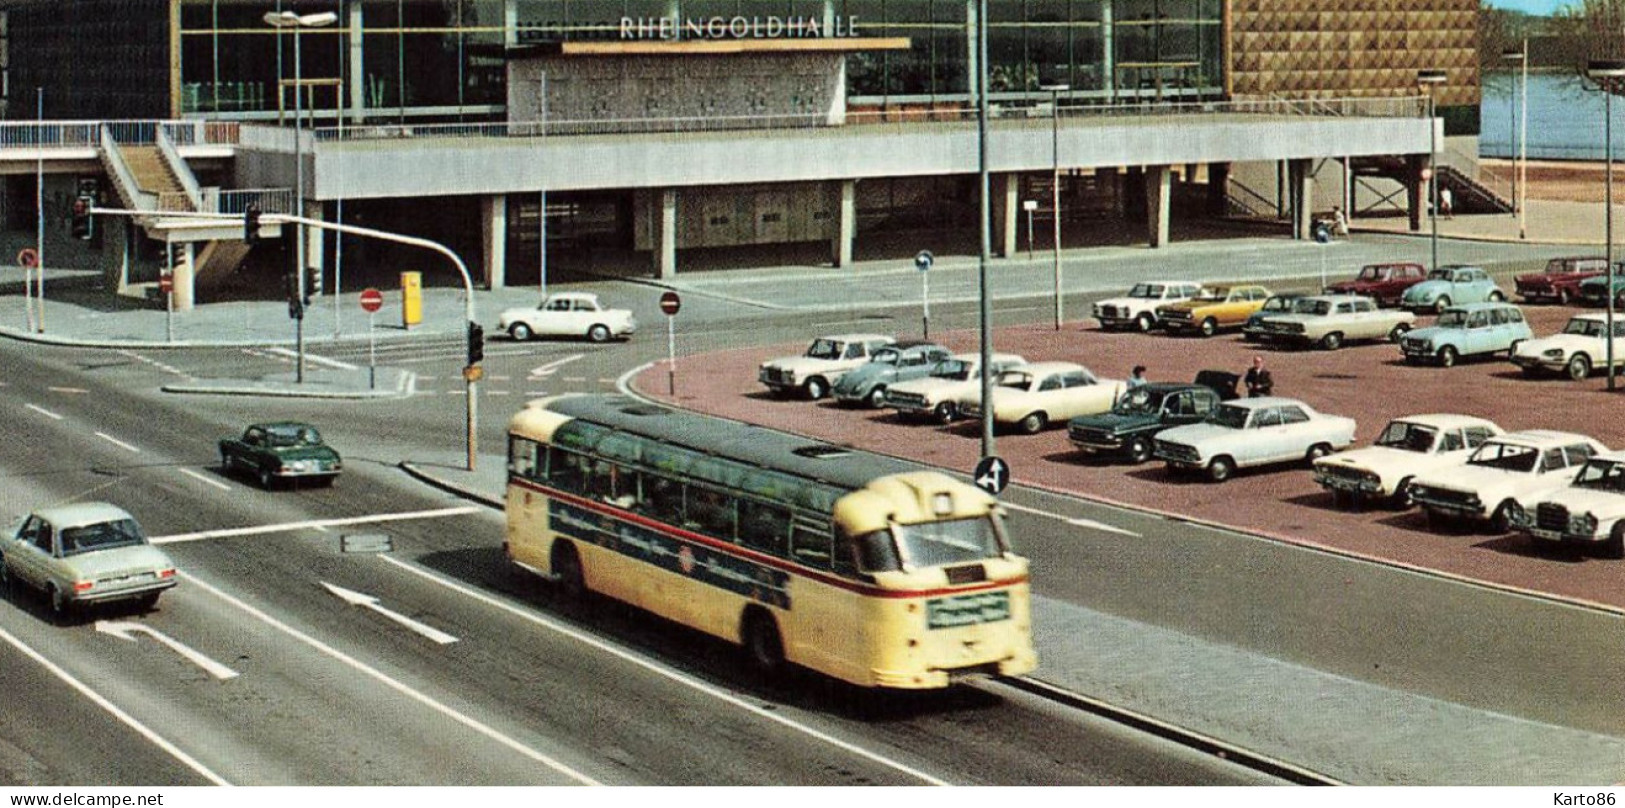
(153, 176)
(1473, 189)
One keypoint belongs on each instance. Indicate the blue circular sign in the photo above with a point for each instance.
(922, 262)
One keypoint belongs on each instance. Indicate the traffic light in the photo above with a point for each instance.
(251, 224)
(476, 343)
(81, 217)
(177, 254)
(313, 284)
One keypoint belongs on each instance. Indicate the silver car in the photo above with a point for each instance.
(85, 553)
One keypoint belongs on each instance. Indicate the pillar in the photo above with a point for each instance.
(1218, 189)
(184, 278)
(1415, 189)
(666, 235)
(846, 223)
(1108, 63)
(494, 240)
(358, 93)
(315, 261)
(1005, 209)
(1158, 195)
(1301, 190)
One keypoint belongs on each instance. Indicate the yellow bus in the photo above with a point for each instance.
(864, 568)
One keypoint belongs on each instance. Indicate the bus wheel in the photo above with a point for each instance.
(764, 649)
(567, 571)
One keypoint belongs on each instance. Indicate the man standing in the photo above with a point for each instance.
(1136, 378)
(1258, 379)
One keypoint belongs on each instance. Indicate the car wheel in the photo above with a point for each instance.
(1497, 297)
(1441, 304)
(1402, 495)
(59, 601)
(1332, 341)
(1615, 546)
(1145, 322)
(1317, 451)
(877, 398)
(1034, 423)
(1501, 520)
(944, 413)
(1139, 449)
(566, 566)
(815, 388)
(1210, 327)
(1398, 333)
(266, 479)
(1512, 350)
(520, 332)
(1447, 356)
(598, 333)
(1220, 468)
(1579, 367)
(764, 648)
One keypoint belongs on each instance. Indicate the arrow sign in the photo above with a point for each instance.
(991, 475)
(369, 602)
(552, 367)
(125, 630)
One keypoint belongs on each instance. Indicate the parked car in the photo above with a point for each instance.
(1331, 320)
(568, 314)
(1139, 307)
(1033, 397)
(281, 451)
(1449, 285)
(827, 359)
(85, 553)
(1476, 329)
(1127, 431)
(1581, 347)
(937, 395)
(1218, 306)
(1590, 511)
(1278, 303)
(1384, 283)
(1594, 290)
(1253, 432)
(1405, 448)
(867, 383)
(1560, 281)
(1504, 472)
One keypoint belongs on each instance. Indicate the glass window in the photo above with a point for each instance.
(1476, 435)
(1451, 442)
(566, 470)
(810, 546)
(101, 536)
(877, 552)
(663, 497)
(764, 527)
(1269, 416)
(1552, 460)
(42, 537)
(522, 455)
(1294, 415)
(1578, 453)
(935, 544)
(1051, 383)
(711, 511)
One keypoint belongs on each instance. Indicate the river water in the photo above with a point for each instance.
(1565, 118)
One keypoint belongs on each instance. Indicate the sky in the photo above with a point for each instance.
(1540, 7)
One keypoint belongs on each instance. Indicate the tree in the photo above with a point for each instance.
(1588, 30)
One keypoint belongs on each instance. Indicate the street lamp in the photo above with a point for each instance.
(1055, 91)
(1427, 79)
(1607, 74)
(299, 22)
(1520, 175)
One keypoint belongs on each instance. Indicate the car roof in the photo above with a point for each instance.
(998, 357)
(1446, 420)
(1171, 387)
(282, 425)
(1542, 438)
(1338, 298)
(859, 338)
(1394, 264)
(573, 296)
(81, 513)
(1481, 306)
(1039, 368)
(1616, 455)
(1599, 316)
(914, 343)
(1460, 266)
(1267, 401)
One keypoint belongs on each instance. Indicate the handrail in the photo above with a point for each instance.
(123, 178)
(177, 166)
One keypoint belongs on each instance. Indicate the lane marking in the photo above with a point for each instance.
(575, 378)
(211, 481)
(116, 442)
(288, 527)
(367, 601)
(125, 718)
(553, 367)
(662, 670)
(397, 686)
(310, 357)
(42, 411)
(1079, 521)
(125, 630)
(76, 390)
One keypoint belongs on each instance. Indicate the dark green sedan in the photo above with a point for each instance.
(281, 451)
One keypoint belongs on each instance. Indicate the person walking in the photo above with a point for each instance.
(1259, 382)
(1136, 377)
(1445, 208)
(1340, 223)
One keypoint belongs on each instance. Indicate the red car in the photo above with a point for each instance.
(1385, 283)
(1561, 279)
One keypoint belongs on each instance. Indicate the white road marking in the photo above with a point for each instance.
(155, 363)
(496, 392)
(1079, 521)
(76, 390)
(42, 411)
(664, 671)
(397, 686)
(216, 483)
(366, 601)
(124, 630)
(116, 442)
(575, 378)
(310, 357)
(500, 378)
(288, 527)
(113, 709)
(552, 367)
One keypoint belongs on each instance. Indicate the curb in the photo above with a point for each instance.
(448, 486)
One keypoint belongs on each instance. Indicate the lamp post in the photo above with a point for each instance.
(299, 22)
(1518, 129)
(984, 297)
(1427, 79)
(1055, 91)
(1607, 74)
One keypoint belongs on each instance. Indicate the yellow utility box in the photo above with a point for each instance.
(411, 299)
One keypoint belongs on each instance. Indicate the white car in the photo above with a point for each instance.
(1581, 346)
(1253, 432)
(1139, 307)
(85, 553)
(568, 314)
(936, 397)
(1038, 395)
(1590, 511)
(1405, 448)
(1505, 472)
(815, 372)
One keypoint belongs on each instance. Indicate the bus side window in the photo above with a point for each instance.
(565, 470)
(811, 547)
(764, 527)
(522, 454)
(877, 552)
(613, 484)
(664, 498)
(712, 511)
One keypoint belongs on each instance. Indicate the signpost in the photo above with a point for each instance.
(923, 262)
(28, 259)
(371, 301)
(670, 304)
(1029, 205)
(991, 475)
(166, 284)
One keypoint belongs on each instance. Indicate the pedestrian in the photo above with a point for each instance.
(1445, 204)
(1258, 379)
(1340, 223)
(1136, 378)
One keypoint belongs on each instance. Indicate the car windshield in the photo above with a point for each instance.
(1139, 401)
(1602, 475)
(936, 544)
(825, 349)
(1015, 379)
(1452, 318)
(1506, 457)
(294, 435)
(955, 369)
(1373, 273)
(1584, 327)
(101, 536)
(1229, 415)
(1408, 436)
(1150, 290)
(1440, 275)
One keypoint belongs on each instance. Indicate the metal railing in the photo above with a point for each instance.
(176, 165)
(233, 201)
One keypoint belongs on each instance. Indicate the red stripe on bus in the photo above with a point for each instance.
(728, 548)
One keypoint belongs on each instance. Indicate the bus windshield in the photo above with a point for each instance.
(936, 544)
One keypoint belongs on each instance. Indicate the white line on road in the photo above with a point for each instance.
(78, 390)
(310, 357)
(663, 670)
(287, 527)
(575, 378)
(552, 367)
(367, 601)
(216, 483)
(125, 630)
(1079, 521)
(398, 687)
(42, 411)
(116, 442)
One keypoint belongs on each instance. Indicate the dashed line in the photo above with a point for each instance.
(313, 358)
(216, 483)
(170, 369)
(575, 378)
(42, 411)
(75, 390)
(116, 442)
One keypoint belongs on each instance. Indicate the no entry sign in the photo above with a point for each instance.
(371, 300)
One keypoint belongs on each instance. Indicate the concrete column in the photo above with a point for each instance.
(494, 240)
(358, 91)
(1218, 189)
(1416, 189)
(1108, 63)
(510, 23)
(1302, 192)
(184, 279)
(846, 222)
(1005, 209)
(1158, 195)
(315, 261)
(666, 235)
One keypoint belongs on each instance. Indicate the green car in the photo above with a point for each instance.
(1127, 431)
(282, 451)
(85, 553)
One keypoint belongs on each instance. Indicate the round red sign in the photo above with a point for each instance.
(27, 257)
(166, 283)
(670, 303)
(372, 299)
